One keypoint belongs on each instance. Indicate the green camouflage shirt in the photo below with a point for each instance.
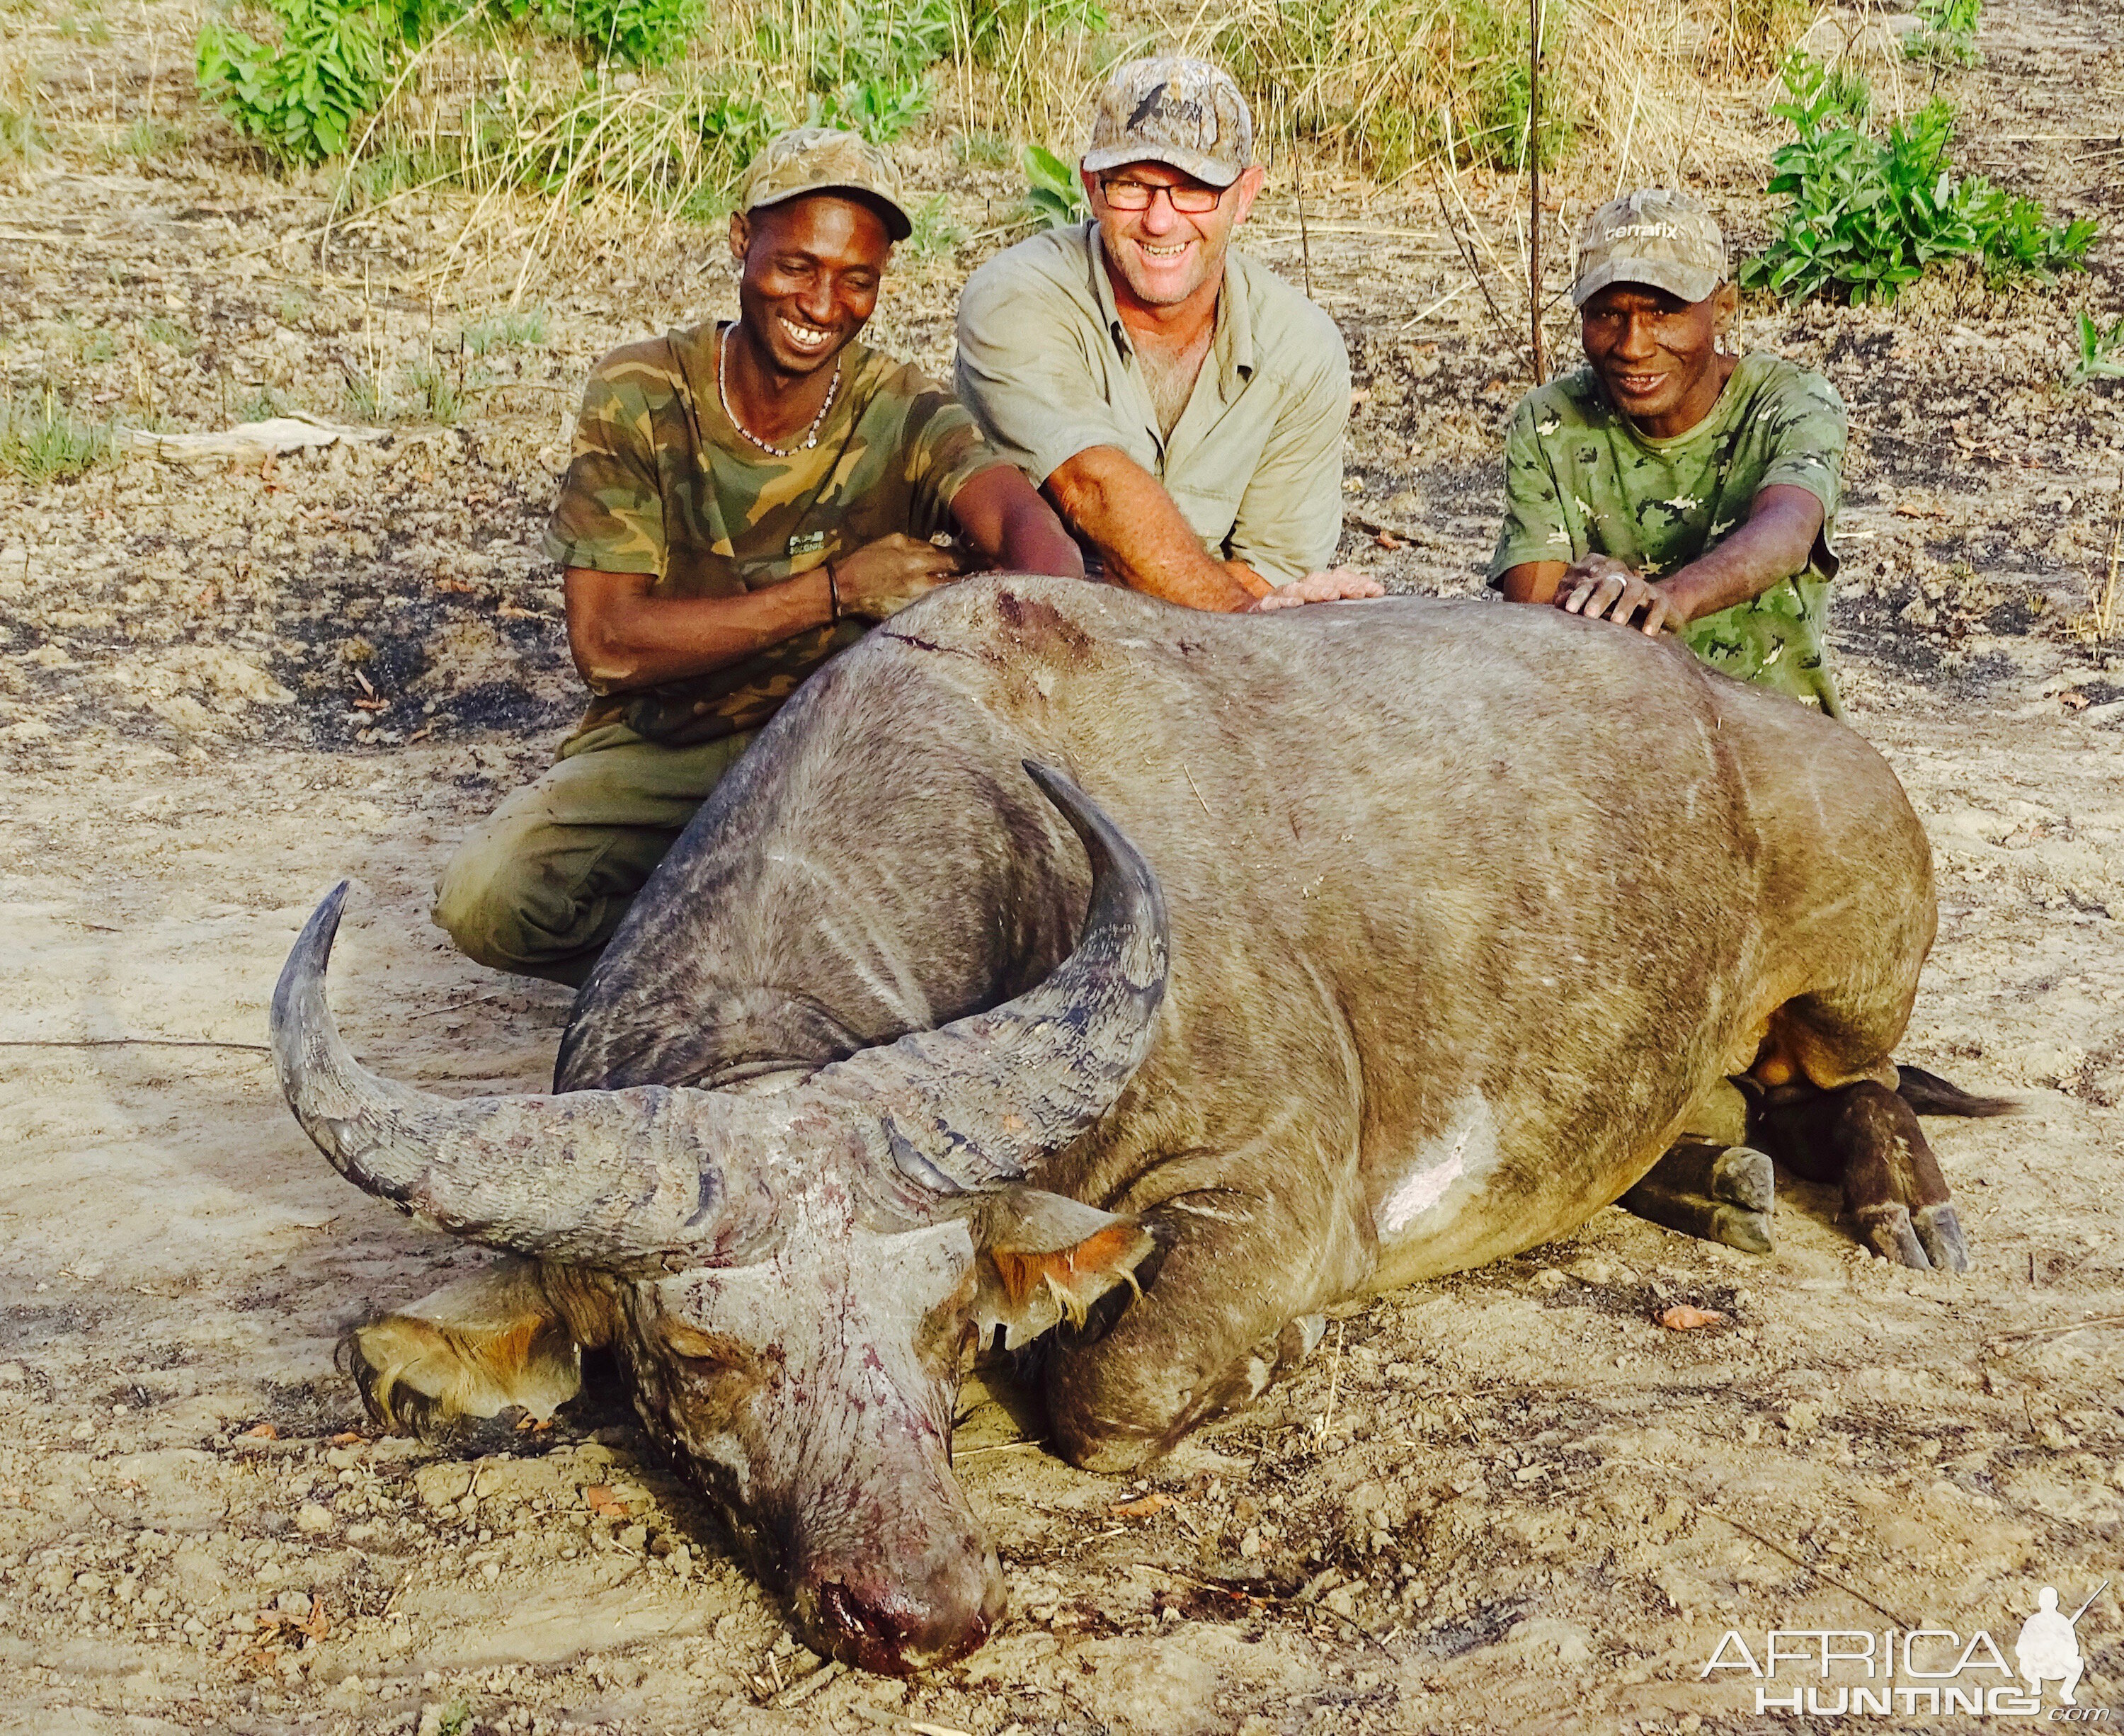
(661, 482)
(1580, 479)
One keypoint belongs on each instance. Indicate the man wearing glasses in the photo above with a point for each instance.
(1182, 405)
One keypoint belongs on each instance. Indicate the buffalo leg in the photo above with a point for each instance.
(1194, 1344)
(473, 1349)
(1715, 1192)
(1867, 1138)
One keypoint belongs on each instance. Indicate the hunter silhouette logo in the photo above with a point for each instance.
(2048, 1649)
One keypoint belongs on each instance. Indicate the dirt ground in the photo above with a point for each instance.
(1507, 1502)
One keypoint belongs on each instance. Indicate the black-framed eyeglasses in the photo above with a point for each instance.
(1190, 198)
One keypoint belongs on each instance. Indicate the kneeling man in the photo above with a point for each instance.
(1673, 487)
(1668, 485)
(1182, 405)
(744, 500)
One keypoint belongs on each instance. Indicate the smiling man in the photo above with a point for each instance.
(1668, 486)
(1182, 405)
(744, 500)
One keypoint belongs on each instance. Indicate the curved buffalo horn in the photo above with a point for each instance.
(983, 1098)
(613, 1179)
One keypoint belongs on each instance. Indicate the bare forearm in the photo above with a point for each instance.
(1002, 515)
(623, 637)
(1532, 582)
(1774, 544)
(1145, 541)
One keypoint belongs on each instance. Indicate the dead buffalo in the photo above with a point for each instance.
(1392, 939)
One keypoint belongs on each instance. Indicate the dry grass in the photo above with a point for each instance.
(1391, 86)
(557, 161)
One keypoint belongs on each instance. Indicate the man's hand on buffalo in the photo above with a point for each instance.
(881, 578)
(1331, 584)
(1601, 588)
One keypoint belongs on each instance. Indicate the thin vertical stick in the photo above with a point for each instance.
(1305, 242)
(1534, 189)
(2105, 610)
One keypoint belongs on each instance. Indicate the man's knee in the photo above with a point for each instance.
(493, 900)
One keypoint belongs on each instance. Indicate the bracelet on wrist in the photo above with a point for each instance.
(833, 594)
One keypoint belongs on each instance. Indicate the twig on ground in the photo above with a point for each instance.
(470, 1001)
(2058, 1330)
(1808, 1567)
(797, 1692)
(898, 1721)
(129, 1043)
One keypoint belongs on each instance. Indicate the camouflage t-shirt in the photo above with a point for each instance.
(1580, 479)
(661, 482)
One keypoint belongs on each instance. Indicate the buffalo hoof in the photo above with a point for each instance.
(1927, 1239)
(405, 1410)
(1716, 1193)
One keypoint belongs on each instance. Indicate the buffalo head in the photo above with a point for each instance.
(795, 1271)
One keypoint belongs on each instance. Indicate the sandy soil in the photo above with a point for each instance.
(1507, 1502)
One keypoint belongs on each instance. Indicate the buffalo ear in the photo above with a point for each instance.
(1044, 1258)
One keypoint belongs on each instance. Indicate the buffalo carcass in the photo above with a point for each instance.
(1468, 907)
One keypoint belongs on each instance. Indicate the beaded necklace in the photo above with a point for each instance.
(810, 434)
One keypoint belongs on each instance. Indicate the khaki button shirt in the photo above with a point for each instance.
(1255, 462)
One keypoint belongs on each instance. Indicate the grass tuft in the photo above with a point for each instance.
(41, 440)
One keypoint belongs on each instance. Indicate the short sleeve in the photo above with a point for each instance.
(944, 451)
(1535, 527)
(1289, 518)
(609, 514)
(1023, 371)
(1807, 429)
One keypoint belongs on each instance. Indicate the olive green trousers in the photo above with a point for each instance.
(539, 888)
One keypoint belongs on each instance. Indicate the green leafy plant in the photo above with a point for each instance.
(1946, 35)
(641, 33)
(934, 236)
(987, 150)
(2101, 352)
(1053, 194)
(41, 439)
(302, 97)
(880, 108)
(1866, 215)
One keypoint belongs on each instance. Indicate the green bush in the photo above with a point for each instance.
(1866, 215)
(2101, 353)
(641, 33)
(302, 97)
(1946, 35)
(1053, 194)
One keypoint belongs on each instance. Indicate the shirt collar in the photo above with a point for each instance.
(1231, 342)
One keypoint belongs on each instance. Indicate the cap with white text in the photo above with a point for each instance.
(1656, 236)
(1172, 109)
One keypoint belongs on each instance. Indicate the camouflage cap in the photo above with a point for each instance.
(1172, 109)
(819, 159)
(1654, 236)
